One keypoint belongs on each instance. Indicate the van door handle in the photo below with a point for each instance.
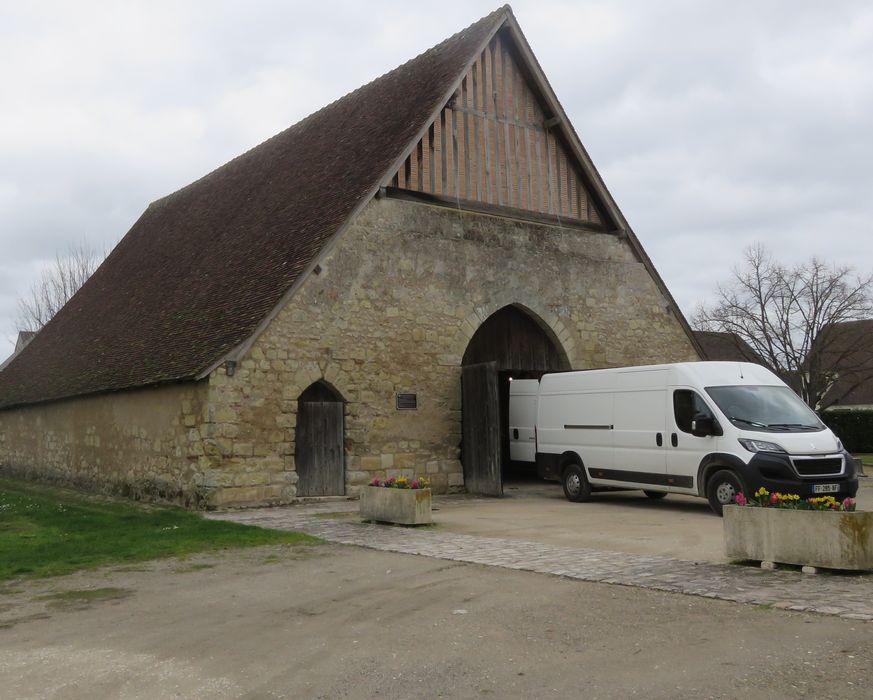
(659, 439)
(515, 434)
(674, 440)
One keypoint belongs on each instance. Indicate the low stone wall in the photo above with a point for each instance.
(401, 506)
(833, 540)
(144, 444)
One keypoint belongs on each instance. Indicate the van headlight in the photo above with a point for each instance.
(760, 446)
(839, 445)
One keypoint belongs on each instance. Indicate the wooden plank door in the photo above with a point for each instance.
(319, 449)
(481, 430)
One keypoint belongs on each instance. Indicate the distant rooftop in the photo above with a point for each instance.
(726, 346)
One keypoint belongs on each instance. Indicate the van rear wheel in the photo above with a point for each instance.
(576, 486)
(722, 489)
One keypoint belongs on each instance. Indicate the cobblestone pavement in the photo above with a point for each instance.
(849, 596)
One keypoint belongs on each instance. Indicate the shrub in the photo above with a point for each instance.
(853, 427)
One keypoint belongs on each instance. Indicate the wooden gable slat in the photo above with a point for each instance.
(490, 144)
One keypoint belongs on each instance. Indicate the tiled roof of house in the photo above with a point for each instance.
(850, 353)
(203, 267)
(24, 337)
(728, 347)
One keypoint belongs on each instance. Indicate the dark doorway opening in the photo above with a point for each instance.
(319, 437)
(513, 344)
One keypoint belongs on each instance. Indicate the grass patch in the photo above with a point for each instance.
(47, 531)
(865, 458)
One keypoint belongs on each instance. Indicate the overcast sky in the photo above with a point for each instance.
(715, 124)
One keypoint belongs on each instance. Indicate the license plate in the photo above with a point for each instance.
(825, 488)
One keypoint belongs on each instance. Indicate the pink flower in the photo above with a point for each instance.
(740, 499)
(414, 484)
(374, 482)
(774, 498)
(848, 504)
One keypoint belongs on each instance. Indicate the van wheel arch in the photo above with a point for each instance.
(569, 458)
(716, 462)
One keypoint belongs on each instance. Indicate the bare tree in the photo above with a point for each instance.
(57, 285)
(796, 318)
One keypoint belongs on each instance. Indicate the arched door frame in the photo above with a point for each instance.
(319, 438)
(550, 324)
(485, 387)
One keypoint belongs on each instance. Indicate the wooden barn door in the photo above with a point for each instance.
(481, 430)
(318, 452)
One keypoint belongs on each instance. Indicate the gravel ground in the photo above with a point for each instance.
(342, 622)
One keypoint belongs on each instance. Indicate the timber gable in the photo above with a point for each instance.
(495, 143)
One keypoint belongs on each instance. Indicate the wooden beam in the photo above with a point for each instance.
(461, 204)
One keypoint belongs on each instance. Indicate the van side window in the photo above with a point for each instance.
(686, 406)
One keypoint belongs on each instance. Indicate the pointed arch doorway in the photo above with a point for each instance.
(319, 437)
(512, 343)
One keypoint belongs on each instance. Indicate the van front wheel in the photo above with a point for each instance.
(722, 489)
(576, 486)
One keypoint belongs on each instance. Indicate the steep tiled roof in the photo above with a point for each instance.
(203, 267)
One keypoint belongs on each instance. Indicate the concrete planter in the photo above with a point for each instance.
(828, 539)
(401, 506)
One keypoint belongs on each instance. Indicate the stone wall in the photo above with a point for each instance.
(392, 310)
(144, 443)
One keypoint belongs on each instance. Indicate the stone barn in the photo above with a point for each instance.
(346, 300)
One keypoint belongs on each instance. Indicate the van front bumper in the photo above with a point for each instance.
(775, 473)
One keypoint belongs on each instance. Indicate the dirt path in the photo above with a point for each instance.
(335, 622)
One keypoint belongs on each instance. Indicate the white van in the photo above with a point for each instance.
(709, 429)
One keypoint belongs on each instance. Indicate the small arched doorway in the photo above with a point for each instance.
(512, 343)
(318, 449)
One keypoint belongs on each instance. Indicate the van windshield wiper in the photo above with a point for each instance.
(750, 422)
(793, 425)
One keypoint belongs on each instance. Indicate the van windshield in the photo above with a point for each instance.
(767, 408)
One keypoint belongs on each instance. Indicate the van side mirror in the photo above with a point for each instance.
(704, 426)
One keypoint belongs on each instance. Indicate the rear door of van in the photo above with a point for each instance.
(522, 419)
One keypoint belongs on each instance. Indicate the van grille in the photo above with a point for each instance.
(817, 467)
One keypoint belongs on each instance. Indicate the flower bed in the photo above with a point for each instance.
(791, 501)
(784, 528)
(401, 482)
(397, 500)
